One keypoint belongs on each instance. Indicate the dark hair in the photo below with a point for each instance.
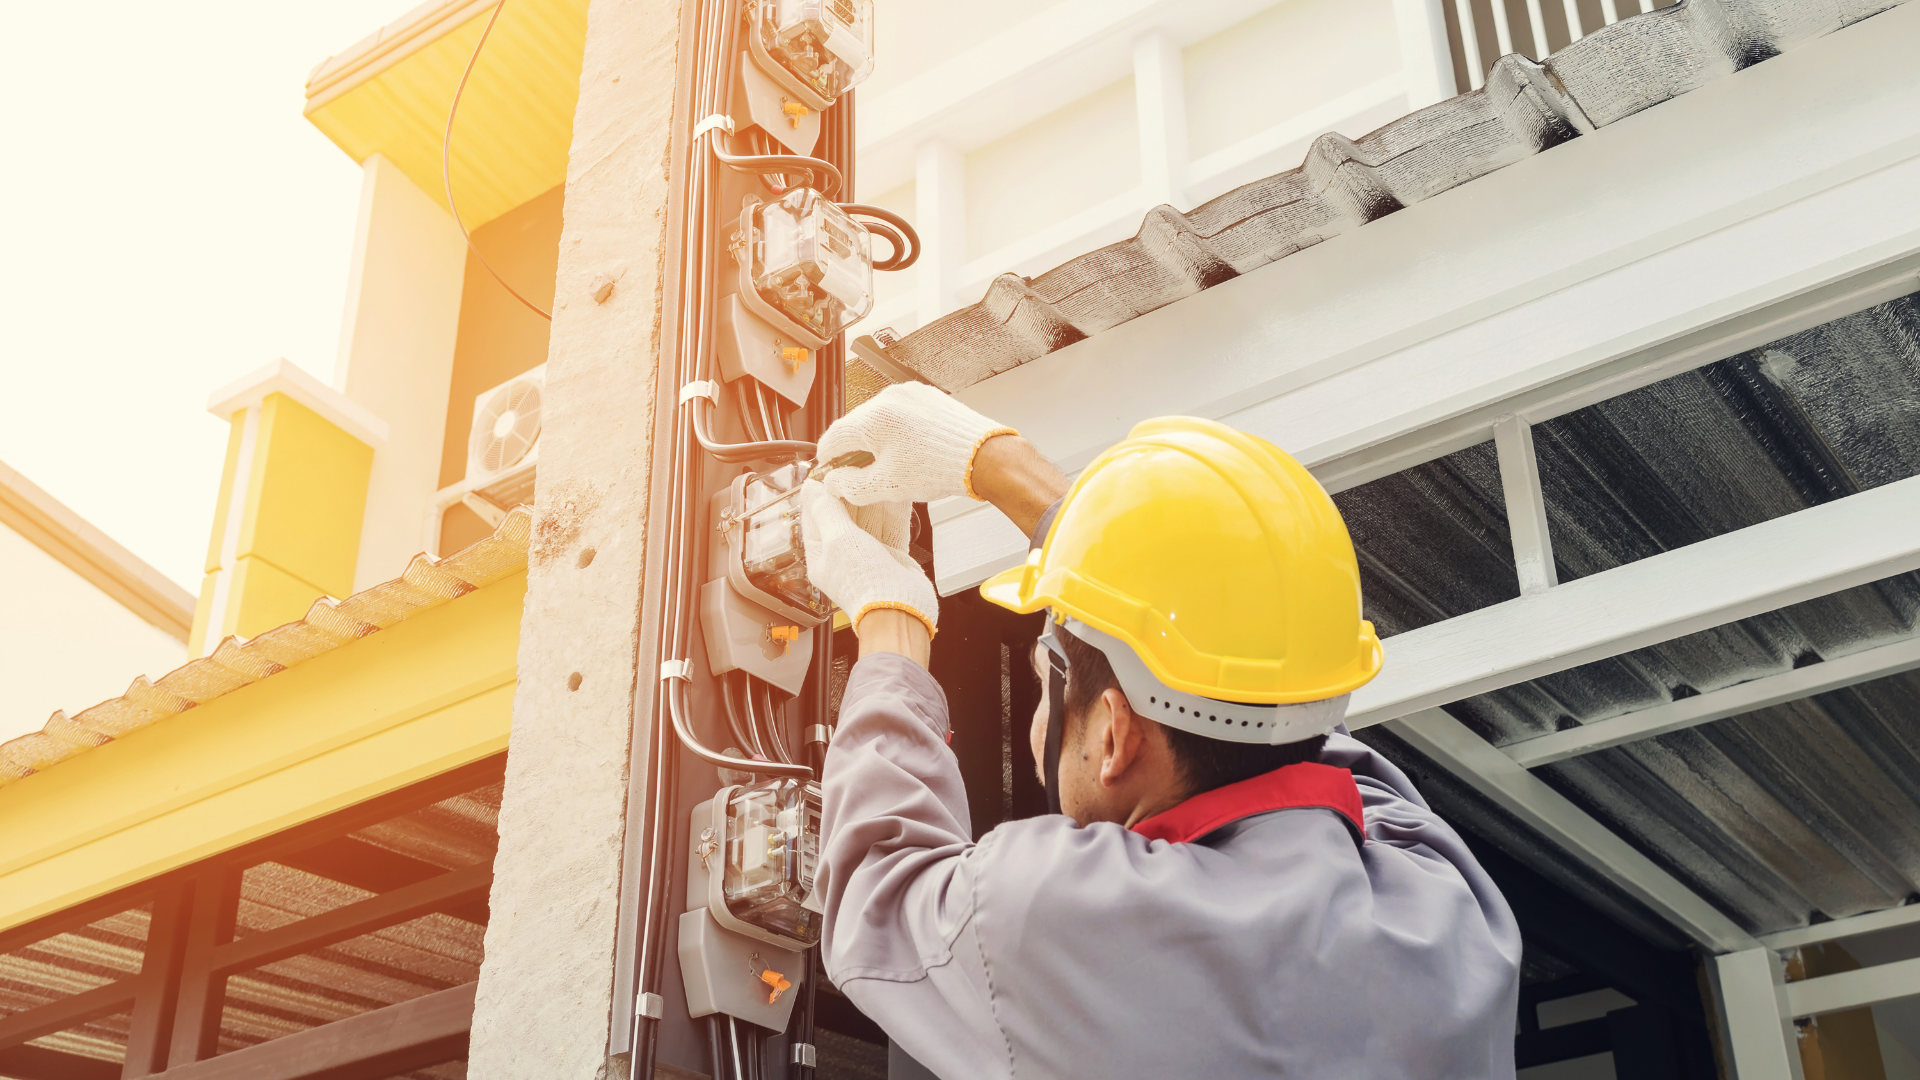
(1204, 763)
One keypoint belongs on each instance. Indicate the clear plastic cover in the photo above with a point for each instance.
(826, 44)
(813, 262)
(770, 547)
(772, 848)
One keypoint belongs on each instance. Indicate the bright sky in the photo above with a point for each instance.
(172, 224)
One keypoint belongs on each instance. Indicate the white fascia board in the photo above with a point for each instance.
(1451, 745)
(1852, 989)
(1872, 922)
(1718, 705)
(1816, 551)
(1761, 204)
(1021, 74)
(284, 377)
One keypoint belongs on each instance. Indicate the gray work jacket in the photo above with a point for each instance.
(1278, 944)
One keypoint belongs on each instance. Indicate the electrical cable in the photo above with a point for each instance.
(776, 735)
(779, 164)
(721, 761)
(730, 701)
(446, 166)
(898, 225)
(733, 1043)
(760, 404)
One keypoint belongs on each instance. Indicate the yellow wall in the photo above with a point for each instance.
(414, 700)
(299, 536)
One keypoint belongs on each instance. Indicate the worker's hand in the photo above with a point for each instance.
(923, 444)
(858, 556)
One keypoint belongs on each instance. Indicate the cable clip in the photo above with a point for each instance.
(803, 1055)
(650, 1005)
(717, 120)
(699, 388)
(676, 669)
(819, 733)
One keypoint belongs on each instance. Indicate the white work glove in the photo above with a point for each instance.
(858, 556)
(922, 442)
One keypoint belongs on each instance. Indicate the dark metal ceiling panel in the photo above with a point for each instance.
(1809, 808)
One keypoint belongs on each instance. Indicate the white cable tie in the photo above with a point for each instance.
(705, 388)
(717, 120)
(676, 669)
(803, 1055)
(650, 1005)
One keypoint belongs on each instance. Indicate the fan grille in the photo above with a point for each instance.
(507, 426)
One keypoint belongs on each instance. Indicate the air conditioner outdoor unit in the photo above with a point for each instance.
(504, 444)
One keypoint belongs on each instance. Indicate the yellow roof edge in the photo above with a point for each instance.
(329, 623)
(387, 46)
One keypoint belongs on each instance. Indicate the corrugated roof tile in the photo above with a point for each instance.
(235, 663)
(1525, 108)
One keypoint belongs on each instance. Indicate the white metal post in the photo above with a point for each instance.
(1760, 1044)
(940, 205)
(1160, 102)
(1537, 21)
(1470, 44)
(1526, 506)
(1424, 55)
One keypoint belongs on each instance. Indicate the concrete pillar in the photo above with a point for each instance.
(940, 215)
(1425, 56)
(545, 989)
(1160, 103)
(396, 355)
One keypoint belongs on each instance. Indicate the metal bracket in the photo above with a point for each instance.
(650, 1005)
(699, 388)
(676, 669)
(803, 1055)
(717, 120)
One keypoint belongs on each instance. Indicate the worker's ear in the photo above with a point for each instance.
(1126, 738)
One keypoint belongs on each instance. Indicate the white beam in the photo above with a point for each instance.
(1811, 553)
(1718, 705)
(1526, 506)
(1759, 1038)
(1852, 989)
(1160, 104)
(940, 210)
(1869, 923)
(1450, 744)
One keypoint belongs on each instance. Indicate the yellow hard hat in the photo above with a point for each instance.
(1216, 557)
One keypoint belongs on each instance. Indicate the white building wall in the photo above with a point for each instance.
(64, 644)
(1062, 122)
(396, 356)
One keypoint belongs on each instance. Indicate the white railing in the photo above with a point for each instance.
(1482, 31)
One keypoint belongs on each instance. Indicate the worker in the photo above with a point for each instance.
(1230, 885)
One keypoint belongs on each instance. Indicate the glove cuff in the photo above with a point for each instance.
(966, 477)
(896, 606)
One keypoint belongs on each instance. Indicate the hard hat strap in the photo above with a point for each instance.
(1226, 720)
(1056, 713)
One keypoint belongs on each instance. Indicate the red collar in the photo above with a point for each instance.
(1307, 784)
